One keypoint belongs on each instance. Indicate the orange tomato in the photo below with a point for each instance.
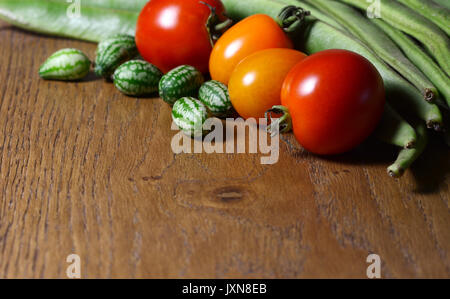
(253, 34)
(255, 84)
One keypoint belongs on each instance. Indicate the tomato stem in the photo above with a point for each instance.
(291, 18)
(284, 123)
(223, 26)
(215, 25)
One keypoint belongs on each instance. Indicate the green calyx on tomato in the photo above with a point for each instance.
(291, 18)
(284, 122)
(215, 25)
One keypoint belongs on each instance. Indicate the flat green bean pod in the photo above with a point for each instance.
(131, 5)
(56, 18)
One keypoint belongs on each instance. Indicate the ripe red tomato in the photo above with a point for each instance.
(170, 33)
(255, 84)
(336, 99)
(253, 34)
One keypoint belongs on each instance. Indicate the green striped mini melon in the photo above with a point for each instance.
(137, 78)
(65, 65)
(214, 95)
(189, 114)
(183, 81)
(112, 52)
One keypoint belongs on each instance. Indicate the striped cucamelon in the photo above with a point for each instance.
(112, 52)
(215, 96)
(189, 114)
(182, 81)
(137, 78)
(65, 65)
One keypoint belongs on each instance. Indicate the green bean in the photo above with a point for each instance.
(433, 12)
(442, 3)
(419, 58)
(50, 17)
(132, 5)
(407, 20)
(379, 42)
(407, 156)
(317, 36)
(393, 129)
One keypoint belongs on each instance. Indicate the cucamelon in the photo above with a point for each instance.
(112, 52)
(214, 95)
(65, 65)
(137, 78)
(189, 114)
(182, 81)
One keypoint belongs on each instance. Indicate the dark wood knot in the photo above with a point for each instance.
(229, 194)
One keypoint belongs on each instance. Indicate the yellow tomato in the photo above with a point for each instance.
(255, 84)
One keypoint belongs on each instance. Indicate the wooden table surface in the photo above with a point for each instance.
(85, 170)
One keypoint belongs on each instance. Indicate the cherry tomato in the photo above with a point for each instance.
(335, 98)
(255, 84)
(255, 33)
(170, 33)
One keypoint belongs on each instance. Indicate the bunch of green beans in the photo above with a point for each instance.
(131, 5)
(378, 41)
(418, 56)
(395, 48)
(414, 24)
(392, 45)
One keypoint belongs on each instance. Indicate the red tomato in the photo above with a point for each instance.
(170, 33)
(255, 84)
(253, 34)
(335, 98)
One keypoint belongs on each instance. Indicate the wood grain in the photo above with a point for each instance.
(89, 171)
